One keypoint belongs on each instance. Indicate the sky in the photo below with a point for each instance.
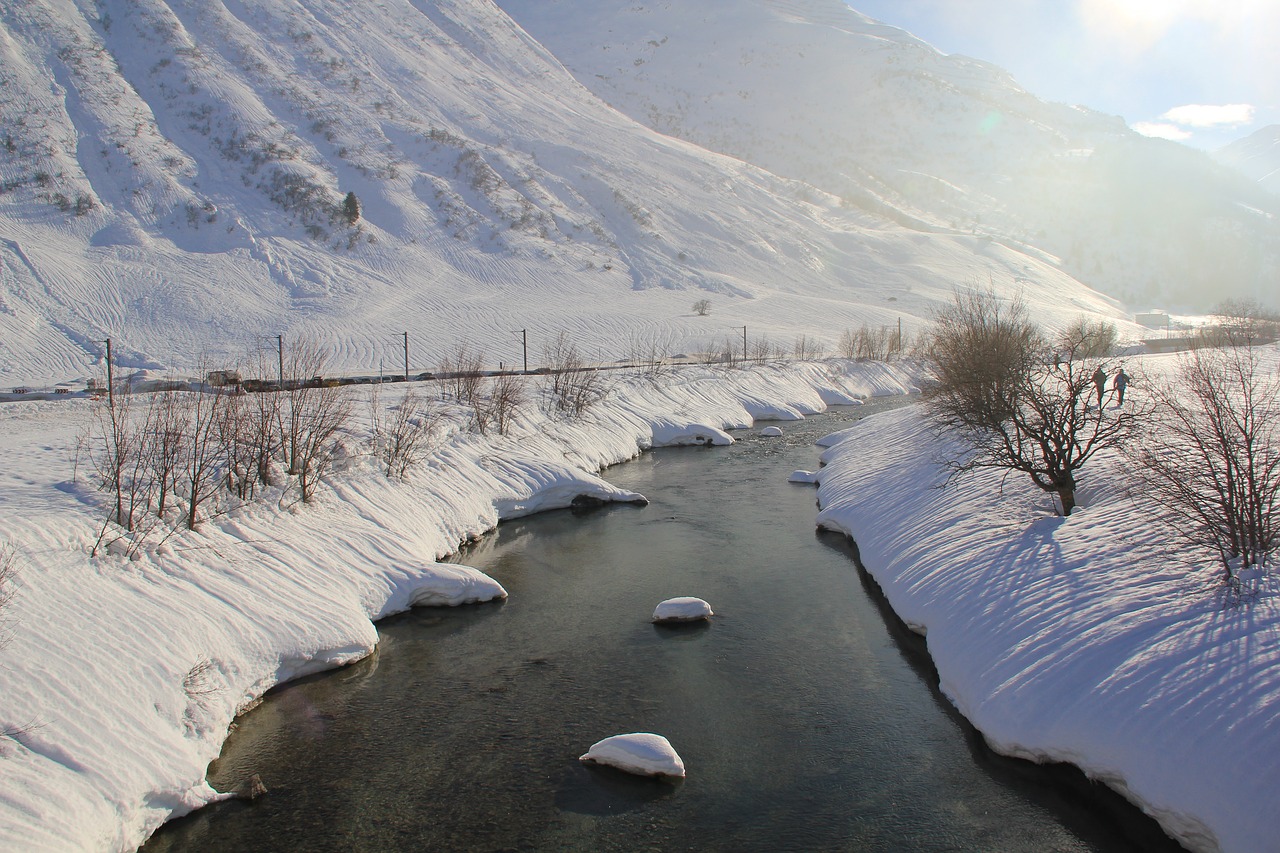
(1201, 72)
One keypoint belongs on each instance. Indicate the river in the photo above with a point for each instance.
(807, 715)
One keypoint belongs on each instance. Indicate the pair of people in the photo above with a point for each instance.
(1119, 383)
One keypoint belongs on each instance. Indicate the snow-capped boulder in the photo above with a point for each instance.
(683, 609)
(642, 753)
(771, 431)
(810, 477)
(447, 585)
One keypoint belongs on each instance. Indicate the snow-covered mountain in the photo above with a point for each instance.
(173, 172)
(815, 91)
(1257, 155)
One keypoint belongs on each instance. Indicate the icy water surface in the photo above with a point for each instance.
(807, 716)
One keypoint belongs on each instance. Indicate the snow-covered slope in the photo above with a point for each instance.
(1257, 155)
(813, 90)
(173, 173)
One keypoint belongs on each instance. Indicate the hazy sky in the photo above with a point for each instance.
(1204, 72)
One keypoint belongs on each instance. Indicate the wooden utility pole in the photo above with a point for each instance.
(406, 356)
(280, 352)
(524, 340)
(744, 343)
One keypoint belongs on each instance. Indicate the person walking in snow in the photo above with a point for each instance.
(1119, 383)
(1099, 382)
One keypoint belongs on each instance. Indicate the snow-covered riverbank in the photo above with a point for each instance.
(125, 673)
(1089, 639)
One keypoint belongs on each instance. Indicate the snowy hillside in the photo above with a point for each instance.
(813, 90)
(1257, 155)
(173, 173)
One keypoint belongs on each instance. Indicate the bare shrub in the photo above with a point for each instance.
(202, 469)
(1240, 323)
(1211, 455)
(312, 418)
(404, 438)
(808, 349)
(498, 408)
(1014, 401)
(570, 386)
(702, 307)
(1089, 338)
(869, 343)
(167, 443)
(651, 349)
(8, 585)
(461, 375)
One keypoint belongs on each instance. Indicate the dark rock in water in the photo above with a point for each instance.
(256, 788)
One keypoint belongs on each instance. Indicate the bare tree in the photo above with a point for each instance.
(202, 465)
(313, 417)
(570, 386)
(498, 408)
(1211, 456)
(167, 426)
(1018, 405)
(702, 307)
(462, 375)
(808, 349)
(1089, 338)
(402, 439)
(1241, 323)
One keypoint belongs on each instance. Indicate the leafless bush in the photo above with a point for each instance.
(571, 386)
(1211, 455)
(312, 418)
(408, 435)
(1015, 402)
(167, 426)
(497, 409)
(202, 468)
(1089, 338)
(702, 307)
(869, 343)
(461, 375)
(197, 682)
(8, 585)
(651, 350)
(121, 455)
(808, 349)
(1240, 323)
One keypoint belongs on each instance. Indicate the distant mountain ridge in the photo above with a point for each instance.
(1257, 156)
(172, 172)
(813, 90)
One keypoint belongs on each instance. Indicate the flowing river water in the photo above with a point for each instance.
(807, 715)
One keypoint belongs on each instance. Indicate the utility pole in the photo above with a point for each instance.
(524, 341)
(744, 343)
(406, 356)
(280, 351)
(111, 398)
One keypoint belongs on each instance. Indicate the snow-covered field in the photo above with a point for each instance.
(1093, 639)
(124, 673)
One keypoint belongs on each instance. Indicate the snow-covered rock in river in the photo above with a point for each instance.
(670, 433)
(683, 609)
(771, 431)
(449, 586)
(809, 477)
(642, 753)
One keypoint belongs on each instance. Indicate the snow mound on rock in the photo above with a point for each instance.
(683, 609)
(642, 753)
(448, 586)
